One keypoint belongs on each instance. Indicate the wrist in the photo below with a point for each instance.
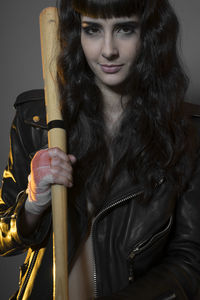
(39, 203)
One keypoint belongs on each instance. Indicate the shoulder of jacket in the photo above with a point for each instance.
(29, 96)
(192, 110)
(30, 106)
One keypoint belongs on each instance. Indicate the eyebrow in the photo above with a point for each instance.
(136, 24)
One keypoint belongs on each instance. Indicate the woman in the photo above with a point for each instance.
(132, 171)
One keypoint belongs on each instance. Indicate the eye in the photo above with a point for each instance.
(91, 30)
(126, 29)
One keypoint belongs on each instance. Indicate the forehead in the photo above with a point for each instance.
(109, 8)
(112, 20)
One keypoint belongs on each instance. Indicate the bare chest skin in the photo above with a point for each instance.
(114, 107)
(112, 123)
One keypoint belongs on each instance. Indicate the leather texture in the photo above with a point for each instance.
(142, 251)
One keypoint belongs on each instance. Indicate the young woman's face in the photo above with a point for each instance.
(110, 47)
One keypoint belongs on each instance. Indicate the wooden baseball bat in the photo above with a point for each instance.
(56, 138)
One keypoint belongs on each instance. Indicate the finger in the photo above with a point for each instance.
(57, 176)
(63, 166)
(72, 158)
(63, 180)
(59, 171)
(56, 152)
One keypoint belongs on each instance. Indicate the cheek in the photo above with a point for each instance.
(90, 49)
(131, 50)
(86, 48)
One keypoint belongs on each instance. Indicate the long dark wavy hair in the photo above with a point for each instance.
(153, 138)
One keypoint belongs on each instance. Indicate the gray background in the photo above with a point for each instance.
(20, 70)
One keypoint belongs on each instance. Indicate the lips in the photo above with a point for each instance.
(111, 69)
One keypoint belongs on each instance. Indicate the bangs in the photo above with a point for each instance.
(108, 8)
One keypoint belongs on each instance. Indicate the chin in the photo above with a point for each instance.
(113, 83)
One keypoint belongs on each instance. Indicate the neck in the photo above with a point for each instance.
(114, 104)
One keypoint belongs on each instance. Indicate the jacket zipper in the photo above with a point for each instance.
(28, 274)
(93, 235)
(130, 259)
(92, 230)
(142, 247)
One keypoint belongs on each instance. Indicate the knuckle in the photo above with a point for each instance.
(53, 151)
(55, 170)
(69, 169)
(55, 161)
(41, 155)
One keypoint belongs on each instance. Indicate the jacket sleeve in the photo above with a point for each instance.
(13, 191)
(178, 274)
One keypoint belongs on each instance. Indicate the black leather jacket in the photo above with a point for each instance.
(141, 251)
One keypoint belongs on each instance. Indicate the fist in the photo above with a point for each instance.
(49, 166)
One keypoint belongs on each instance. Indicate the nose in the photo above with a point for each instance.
(109, 48)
